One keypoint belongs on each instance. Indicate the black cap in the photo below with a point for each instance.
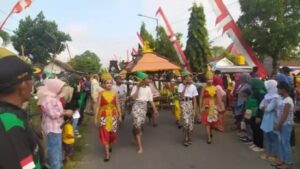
(13, 71)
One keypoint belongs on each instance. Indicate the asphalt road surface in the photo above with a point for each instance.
(163, 149)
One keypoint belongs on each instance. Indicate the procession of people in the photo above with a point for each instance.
(263, 111)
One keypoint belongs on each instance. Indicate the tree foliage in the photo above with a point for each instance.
(197, 48)
(40, 38)
(87, 62)
(165, 47)
(147, 36)
(5, 38)
(271, 27)
(161, 44)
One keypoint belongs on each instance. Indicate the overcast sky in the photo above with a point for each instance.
(108, 27)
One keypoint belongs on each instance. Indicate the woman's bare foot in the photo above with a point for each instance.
(140, 151)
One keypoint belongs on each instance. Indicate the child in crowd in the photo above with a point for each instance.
(68, 139)
(284, 125)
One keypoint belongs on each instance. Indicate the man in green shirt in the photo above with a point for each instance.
(18, 144)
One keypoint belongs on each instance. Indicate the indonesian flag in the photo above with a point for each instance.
(27, 163)
(21, 5)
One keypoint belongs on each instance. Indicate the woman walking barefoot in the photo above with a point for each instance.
(188, 103)
(210, 106)
(141, 94)
(108, 115)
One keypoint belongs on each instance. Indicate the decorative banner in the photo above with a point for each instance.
(226, 22)
(173, 39)
(134, 51)
(18, 8)
(141, 40)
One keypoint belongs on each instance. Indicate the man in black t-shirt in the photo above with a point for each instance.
(18, 144)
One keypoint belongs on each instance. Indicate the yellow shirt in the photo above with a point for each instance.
(68, 134)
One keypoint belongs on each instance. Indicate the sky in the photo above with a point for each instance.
(108, 27)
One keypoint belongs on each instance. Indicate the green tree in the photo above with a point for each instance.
(219, 52)
(87, 62)
(147, 36)
(5, 38)
(271, 27)
(40, 38)
(197, 48)
(165, 47)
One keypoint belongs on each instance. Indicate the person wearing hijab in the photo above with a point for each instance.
(270, 106)
(255, 114)
(220, 125)
(52, 119)
(242, 84)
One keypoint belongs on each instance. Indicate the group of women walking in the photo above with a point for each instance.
(109, 112)
(263, 111)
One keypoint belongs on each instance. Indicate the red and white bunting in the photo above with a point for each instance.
(21, 5)
(225, 21)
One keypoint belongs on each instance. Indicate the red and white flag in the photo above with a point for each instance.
(18, 8)
(21, 5)
(225, 21)
(172, 37)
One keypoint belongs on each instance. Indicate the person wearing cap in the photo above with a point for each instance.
(188, 93)
(141, 94)
(121, 89)
(108, 115)
(19, 146)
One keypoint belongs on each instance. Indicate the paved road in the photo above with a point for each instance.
(164, 150)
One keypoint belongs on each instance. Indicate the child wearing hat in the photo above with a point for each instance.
(141, 94)
(188, 93)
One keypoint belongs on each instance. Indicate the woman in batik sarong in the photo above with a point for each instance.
(108, 115)
(141, 94)
(188, 93)
(209, 104)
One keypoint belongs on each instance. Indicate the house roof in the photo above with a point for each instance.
(63, 65)
(292, 62)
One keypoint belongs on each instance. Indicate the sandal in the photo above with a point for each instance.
(190, 142)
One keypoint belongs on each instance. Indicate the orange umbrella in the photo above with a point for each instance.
(151, 62)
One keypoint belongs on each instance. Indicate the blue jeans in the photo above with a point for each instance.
(75, 125)
(271, 142)
(285, 150)
(54, 141)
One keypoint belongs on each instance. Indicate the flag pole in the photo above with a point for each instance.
(5, 20)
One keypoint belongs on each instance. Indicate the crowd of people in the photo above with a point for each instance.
(263, 111)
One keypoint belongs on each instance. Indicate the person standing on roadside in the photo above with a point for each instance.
(19, 146)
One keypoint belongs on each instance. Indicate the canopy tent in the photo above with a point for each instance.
(226, 66)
